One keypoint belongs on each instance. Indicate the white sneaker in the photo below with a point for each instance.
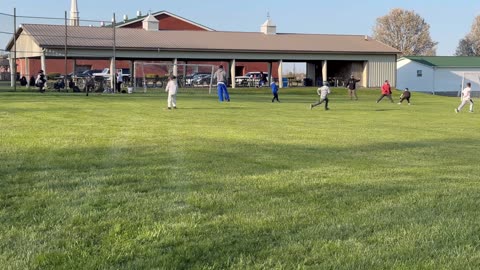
(409, 103)
(399, 103)
(471, 111)
(456, 110)
(310, 106)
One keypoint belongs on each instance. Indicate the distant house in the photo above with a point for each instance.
(438, 74)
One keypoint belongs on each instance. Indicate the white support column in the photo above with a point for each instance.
(270, 76)
(233, 64)
(175, 67)
(74, 73)
(132, 75)
(43, 63)
(365, 74)
(280, 73)
(324, 70)
(112, 74)
(184, 73)
(12, 71)
(27, 71)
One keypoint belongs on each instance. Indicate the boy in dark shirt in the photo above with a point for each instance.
(405, 96)
(352, 87)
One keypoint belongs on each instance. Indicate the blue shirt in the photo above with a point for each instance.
(274, 88)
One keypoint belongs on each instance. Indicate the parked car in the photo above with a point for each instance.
(202, 79)
(189, 78)
(88, 73)
(250, 78)
(69, 75)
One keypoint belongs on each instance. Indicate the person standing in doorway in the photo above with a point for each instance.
(466, 97)
(274, 87)
(323, 96)
(171, 90)
(386, 92)
(222, 90)
(352, 87)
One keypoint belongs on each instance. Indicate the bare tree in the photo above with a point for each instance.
(470, 44)
(406, 31)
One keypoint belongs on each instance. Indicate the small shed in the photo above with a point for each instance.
(438, 74)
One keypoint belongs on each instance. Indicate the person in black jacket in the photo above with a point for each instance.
(40, 81)
(23, 81)
(32, 81)
(405, 96)
(352, 87)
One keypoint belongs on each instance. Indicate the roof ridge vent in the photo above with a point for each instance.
(150, 23)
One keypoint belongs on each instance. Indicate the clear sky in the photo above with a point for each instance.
(449, 20)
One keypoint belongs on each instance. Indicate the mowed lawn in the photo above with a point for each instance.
(119, 182)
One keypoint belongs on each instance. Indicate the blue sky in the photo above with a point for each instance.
(449, 20)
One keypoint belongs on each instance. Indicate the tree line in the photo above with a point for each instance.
(409, 33)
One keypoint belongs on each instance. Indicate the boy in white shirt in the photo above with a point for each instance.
(323, 94)
(465, 98)
(171, 89)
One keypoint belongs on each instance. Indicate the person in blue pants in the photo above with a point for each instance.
(274, 87)
(221, 77)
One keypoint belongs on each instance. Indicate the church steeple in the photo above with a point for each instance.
(74, 18)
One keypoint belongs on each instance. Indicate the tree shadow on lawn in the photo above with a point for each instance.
(385, 110)
(229, 161)
(249, 199)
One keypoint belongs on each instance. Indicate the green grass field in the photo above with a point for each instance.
(119, 182)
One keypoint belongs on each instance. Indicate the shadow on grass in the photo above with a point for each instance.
(385, 110)
(194, 204)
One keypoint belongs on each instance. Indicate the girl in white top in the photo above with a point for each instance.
(171, 89)
(466, 98)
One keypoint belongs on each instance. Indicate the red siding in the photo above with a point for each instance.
(58, 65)
(167, 22)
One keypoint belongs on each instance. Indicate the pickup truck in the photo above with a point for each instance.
(106, 74)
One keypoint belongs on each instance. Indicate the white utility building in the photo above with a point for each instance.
(438, 74)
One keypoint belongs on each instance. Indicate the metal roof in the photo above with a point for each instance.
(446, 61)
(52, 36)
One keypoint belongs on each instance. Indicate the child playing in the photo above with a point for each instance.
(323, 93)
(171, 89)
(274, 87)
(405, 95)
(386, 92)
(466, 98)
